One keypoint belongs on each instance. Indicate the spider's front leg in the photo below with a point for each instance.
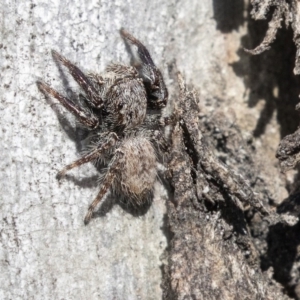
(92, 95)
(114, 169)
(91, 156)
(152, 77)
(84, 117)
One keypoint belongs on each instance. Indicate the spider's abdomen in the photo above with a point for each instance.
(126, 102)
(138, 175)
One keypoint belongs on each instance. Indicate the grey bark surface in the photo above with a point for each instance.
(46, 252)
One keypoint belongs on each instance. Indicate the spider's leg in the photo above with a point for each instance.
(141, 59)
(84, 117)
(92, 155)
(113, 169)
(140, 55)
(92, 94)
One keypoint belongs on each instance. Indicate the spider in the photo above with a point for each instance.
(120, 110)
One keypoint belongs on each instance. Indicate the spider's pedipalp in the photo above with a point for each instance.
(92, 94)
(85, 117)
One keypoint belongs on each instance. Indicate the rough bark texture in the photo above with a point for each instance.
(282, 11)
(283, 242)
(212, 253)
(206, 238)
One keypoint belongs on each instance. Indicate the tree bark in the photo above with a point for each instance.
(185, 248)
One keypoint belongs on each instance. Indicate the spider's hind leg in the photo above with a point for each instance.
(113, 169)
(92, 155)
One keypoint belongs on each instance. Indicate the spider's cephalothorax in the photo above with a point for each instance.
(114, 107)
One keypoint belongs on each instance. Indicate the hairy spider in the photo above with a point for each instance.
(124, 137)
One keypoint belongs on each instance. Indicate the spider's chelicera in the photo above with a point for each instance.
(125, 136)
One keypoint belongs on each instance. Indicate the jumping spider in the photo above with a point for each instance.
(124, 135)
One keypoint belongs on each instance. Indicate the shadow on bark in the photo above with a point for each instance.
(269, 77)
(228, 14)
(282, 254)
